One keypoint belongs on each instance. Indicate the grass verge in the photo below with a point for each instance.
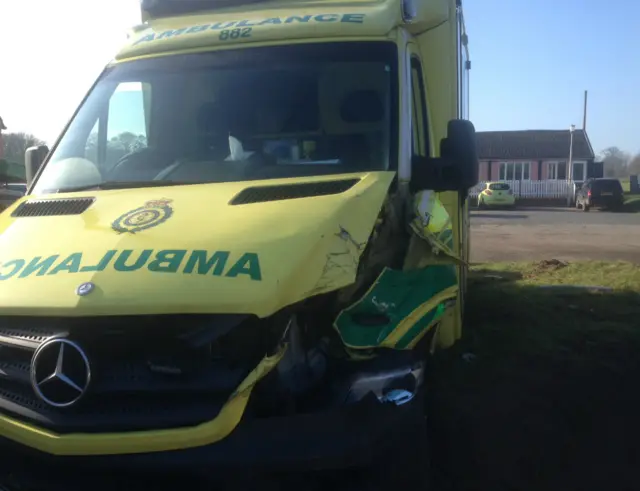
(541, 393)
(632, 203)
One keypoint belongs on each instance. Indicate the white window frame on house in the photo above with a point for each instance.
(552, 171)
(524, 176)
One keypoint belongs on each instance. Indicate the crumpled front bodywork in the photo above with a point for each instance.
(403, 305)
(201, 254)
(195, 249)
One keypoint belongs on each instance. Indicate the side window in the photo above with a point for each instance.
(126, 121)
(123, 127)
(420, 142)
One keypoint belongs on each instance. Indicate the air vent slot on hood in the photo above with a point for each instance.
(261, 194)
(52, 207)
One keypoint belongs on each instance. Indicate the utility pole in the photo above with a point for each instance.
(2, 127)
(571, 191)
(584, 113)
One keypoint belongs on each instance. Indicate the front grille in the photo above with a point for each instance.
(147, 372)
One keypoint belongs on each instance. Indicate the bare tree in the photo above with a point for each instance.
(615, 162)
(15, 144)
(633, 167)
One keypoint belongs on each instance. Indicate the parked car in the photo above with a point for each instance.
(600, 193)
(496, 194)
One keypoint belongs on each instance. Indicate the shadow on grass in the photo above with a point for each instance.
(549, 398)
(631, 204)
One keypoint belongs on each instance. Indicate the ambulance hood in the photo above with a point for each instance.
(207, 248)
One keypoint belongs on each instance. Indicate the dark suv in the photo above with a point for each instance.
(600, 193)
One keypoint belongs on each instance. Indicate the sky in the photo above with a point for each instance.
(532, 60)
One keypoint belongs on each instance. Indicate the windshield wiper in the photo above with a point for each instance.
(119, 185)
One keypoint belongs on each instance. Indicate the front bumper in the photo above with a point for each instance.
(343, 438)
(500, 202)
(347, 429)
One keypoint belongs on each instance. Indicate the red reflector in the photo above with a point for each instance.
(589, 193)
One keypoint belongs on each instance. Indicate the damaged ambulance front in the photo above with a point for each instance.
(218, 264)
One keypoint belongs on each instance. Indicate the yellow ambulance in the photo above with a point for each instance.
(246, 242)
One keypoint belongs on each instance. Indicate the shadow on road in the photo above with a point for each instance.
(547, 208)
(500, 216)
(543, 208)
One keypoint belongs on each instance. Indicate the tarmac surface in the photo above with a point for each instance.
(532, 234)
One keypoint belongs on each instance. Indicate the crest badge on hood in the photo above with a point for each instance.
(152, 214)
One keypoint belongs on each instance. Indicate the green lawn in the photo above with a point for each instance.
(632, 203)
(625, 185)
(541, 393)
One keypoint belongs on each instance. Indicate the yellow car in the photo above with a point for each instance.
(496, 194)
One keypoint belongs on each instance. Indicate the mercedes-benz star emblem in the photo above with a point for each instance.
(60, 372)
(85, 289)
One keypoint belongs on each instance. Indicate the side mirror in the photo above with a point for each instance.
(457, 168)
(33, 159)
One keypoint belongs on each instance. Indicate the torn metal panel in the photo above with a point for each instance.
(398, 308)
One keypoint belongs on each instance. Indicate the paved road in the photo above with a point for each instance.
(567, 234)
(554, 216)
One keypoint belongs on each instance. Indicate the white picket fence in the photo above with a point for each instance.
(534, 189)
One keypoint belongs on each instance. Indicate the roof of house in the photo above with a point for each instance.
(533, 144)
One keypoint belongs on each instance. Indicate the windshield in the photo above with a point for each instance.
(499, 186)
(236, 115)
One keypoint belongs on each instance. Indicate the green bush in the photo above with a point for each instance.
(12, 172)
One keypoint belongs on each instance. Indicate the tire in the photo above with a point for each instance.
(577, 204)
(585, 207)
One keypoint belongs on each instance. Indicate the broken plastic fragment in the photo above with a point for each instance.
(433, 223)
(469, 357)
(397, 397)
(236, 150)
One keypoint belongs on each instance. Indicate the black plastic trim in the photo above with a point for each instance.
(262, 194)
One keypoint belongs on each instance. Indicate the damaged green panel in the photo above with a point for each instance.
(425, 322)
(391, 313)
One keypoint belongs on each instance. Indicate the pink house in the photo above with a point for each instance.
(535, 155)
